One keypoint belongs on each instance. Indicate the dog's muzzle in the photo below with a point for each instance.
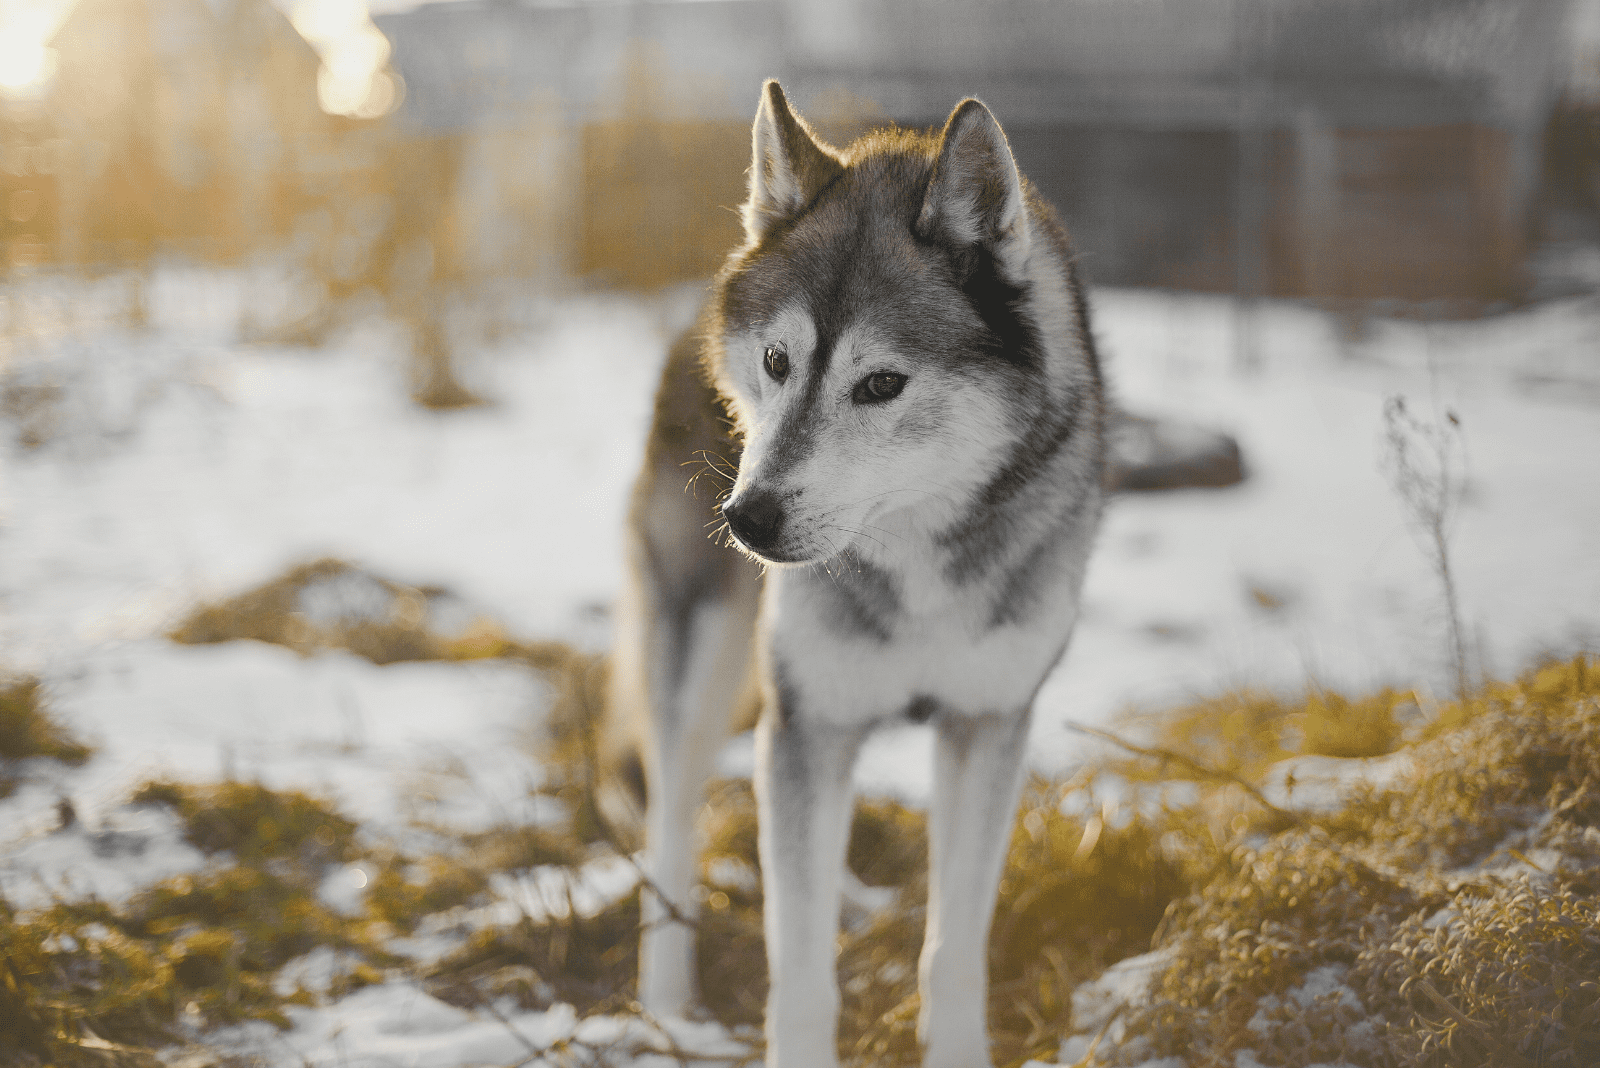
(756, 519)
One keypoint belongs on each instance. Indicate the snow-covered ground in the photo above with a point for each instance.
(179, 465)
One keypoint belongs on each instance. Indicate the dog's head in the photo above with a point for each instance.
(876, 343)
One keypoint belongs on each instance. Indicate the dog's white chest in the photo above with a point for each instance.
(949, 655)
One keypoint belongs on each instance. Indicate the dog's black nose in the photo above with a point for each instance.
(755, 519)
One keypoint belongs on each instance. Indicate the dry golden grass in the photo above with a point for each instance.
(322, 605)
(253, 822)
(204, 948)
(27, 730)
(1452, 947)
(1447, 918)
(1244, 732)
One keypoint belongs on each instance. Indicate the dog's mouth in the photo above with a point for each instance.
(775, 555)
(772, 526)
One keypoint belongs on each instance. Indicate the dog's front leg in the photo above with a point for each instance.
(977, 779)
(803, 790)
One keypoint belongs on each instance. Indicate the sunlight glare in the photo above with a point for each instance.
(353, 79)
(25, 62)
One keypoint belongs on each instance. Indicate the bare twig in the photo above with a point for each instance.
(1088, 1057)
(591, 758)
(674, 914)
(686, 1057)
(1172, 757)
(1430, 486)
(598, 1055)
(534, 1052)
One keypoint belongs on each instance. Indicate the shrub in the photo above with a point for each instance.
(1507, 977)
(1411, 927)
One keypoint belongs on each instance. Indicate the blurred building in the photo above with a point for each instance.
(1332, 148)
(604, 140)
(28, 197)
(1340, 149)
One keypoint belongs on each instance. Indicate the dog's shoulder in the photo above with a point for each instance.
(689, 415)
(691, 458)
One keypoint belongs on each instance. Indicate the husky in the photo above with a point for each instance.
(896, 375)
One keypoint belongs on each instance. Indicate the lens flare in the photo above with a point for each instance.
(25, 63)
(353, 79)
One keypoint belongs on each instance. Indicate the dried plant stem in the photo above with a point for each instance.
(591, 781)
(1087, 1060)
(1430, 487)
(1472, 1027)
(1171, 757)
(1441, 563)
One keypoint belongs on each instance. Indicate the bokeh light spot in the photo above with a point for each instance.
(353, 80)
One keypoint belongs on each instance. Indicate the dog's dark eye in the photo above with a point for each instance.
(877, 388)
(776, 363)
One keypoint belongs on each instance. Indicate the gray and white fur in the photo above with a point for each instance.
(896, 372)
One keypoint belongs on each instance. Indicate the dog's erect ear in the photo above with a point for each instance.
(790, 165)
(975, 195)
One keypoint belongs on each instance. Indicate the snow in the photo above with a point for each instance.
(392, 746)
(1169, 613)
(399, 1023)
(286, 456)
(130, 848)
(1323, 784)
(1096, 1005)
(179, 464)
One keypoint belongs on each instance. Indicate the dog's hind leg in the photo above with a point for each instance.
(683, 645)
(803, 789)
(696, 653)
(977, 781)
